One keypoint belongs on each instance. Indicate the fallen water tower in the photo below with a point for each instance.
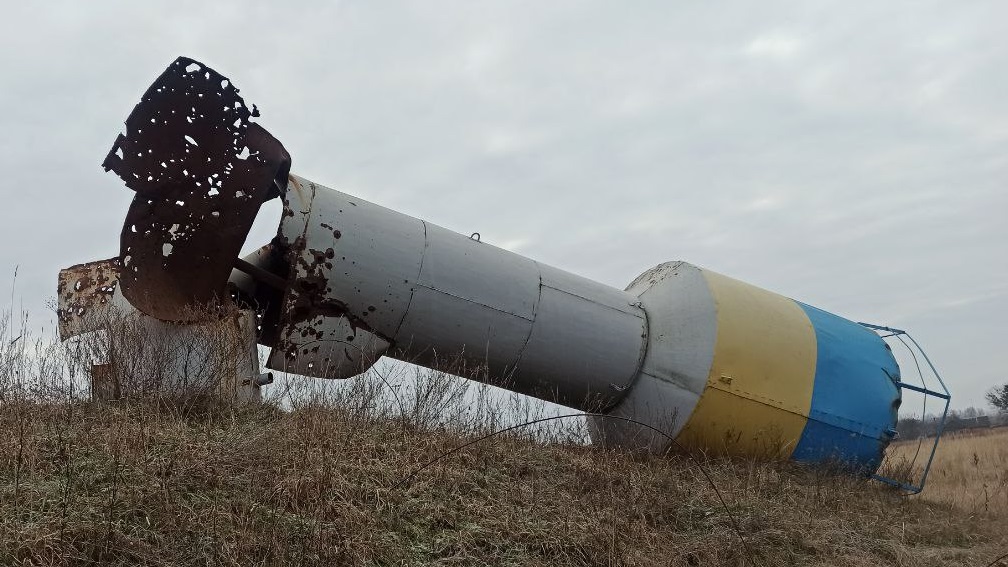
(713, 362)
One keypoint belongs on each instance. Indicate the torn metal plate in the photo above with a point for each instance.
(200, 169)
(138, 354)
(86, 294)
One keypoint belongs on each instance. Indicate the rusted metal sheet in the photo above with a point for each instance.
(85, 294)
(200, 169)
(105, 383)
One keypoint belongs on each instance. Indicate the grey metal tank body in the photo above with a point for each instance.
(386, 283)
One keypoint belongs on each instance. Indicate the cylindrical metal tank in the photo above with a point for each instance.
(714, 362)
(366, 281)
(736, 369)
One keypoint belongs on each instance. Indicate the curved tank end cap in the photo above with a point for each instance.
(649, 417)
(681, 321)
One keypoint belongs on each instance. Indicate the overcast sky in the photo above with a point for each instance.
(851, 155)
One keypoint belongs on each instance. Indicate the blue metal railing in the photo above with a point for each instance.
(944, 394)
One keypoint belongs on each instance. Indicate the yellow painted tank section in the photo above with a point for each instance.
(759, 390)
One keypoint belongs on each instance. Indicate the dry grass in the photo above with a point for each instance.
(340, 480)
(970, 470)
(141, 484)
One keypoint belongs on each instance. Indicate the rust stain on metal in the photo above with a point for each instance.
(308, 309)
(335, 232)
(200, 169)
(299, 191)
(84, 292)
(307, 299)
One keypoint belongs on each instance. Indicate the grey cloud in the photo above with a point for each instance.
(850, 155)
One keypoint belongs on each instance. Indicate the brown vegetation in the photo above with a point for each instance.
(970, 470)
(340, 477)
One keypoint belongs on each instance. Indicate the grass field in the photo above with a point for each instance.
(969, 473)
(349, 478)
(143, 484)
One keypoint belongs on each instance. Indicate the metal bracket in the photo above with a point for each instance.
(912, 487)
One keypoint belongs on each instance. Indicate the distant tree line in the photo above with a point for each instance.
(913, 427)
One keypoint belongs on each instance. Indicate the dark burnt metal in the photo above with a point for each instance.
(254, 285)
(260, 275)
(200, 169)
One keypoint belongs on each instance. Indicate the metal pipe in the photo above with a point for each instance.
(260, 275)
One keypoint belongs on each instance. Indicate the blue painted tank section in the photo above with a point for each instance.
(854, 399)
